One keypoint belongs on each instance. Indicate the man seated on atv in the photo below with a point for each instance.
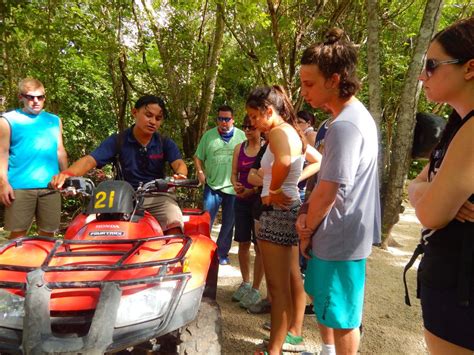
(141, 153)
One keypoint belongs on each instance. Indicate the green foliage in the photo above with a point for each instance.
(85, 51)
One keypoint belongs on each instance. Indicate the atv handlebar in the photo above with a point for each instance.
(163, 185)
(74, 186)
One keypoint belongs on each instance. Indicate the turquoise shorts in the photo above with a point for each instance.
(337, 289)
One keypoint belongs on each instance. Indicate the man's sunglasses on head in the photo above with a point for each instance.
(224, 119)
(431, 64)
(32, 97)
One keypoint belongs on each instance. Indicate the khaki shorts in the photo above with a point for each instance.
(29, 204)
(165, 209)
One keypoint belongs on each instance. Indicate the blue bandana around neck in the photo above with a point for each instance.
(227, 136)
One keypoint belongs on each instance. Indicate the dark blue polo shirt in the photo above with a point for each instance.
(139, 164)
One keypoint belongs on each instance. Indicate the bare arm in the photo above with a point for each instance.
(314, 158)
(311, 138)
(235, 174)
(255, 178)
(201, 175)
(418, 186)
(453, 184)
(180, 169)
(62, 154)
(6, 192)
(320, 203)
(78, 168)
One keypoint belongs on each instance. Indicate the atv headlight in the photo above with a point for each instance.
(12, 310)
(145, 305)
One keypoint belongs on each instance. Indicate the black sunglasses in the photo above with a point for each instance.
(431, 64)
(248, 128)
(32, 97)
(224, 119)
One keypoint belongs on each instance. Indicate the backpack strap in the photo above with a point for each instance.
(117, 167)
(418, 251)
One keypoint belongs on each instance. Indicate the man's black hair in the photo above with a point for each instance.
(152, 99)
(306, 116)
(226, 108)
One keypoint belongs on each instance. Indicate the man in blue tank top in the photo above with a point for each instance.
(31, 152)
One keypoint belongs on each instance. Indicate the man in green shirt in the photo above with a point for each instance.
(213, 160)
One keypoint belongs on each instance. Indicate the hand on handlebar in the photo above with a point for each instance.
(58, 180)
(178, 176)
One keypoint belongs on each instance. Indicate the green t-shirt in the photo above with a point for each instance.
(217, 157)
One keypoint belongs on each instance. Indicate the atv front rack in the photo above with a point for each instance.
(119, 265)
(37, 335)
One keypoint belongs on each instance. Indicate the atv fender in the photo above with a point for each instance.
(37, 335)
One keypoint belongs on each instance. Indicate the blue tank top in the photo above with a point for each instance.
(33, 149)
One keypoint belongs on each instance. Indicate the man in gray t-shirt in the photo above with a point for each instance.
(350, 160)
(344, 213)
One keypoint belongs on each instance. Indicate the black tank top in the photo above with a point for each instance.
(449, 251)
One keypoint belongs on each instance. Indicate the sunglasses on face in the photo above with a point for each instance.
(224, 119)
(32, 97)
(248, 128)
(431, 64)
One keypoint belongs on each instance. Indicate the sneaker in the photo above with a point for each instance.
(243, 289)
(224, 261)
(264, 306)
(293, 343)
(250, 298)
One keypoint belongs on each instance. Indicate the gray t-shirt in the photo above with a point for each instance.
(350, 159)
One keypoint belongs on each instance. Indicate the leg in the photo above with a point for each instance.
(346, 341)
(211, 201)
(19, 216)
(276, 261)
(17, 234)
(327, 334)
(439, 346)
(243, 235)
(297, 294)
(48, 214)
(244, 260)
(166, 211)
(257, 269)
(224, 240)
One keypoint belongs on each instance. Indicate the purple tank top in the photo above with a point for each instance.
(244, 164)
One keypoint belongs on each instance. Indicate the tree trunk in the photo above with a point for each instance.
(373, 64)
(195, 130)
(403, 140)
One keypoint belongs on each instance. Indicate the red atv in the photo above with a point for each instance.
(114, 282)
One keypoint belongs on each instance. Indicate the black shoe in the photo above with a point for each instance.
(308, 310)
(261, 307)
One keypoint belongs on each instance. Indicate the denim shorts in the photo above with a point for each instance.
(337, 289)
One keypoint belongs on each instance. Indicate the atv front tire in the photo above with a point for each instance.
(204, 334)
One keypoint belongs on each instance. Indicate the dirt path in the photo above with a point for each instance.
(391, 327)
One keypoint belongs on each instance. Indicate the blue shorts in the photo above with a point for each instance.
(337, 288)
(244, 229)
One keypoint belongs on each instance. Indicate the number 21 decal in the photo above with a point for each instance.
(101, 198)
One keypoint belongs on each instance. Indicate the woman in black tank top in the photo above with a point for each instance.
(442, 195)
